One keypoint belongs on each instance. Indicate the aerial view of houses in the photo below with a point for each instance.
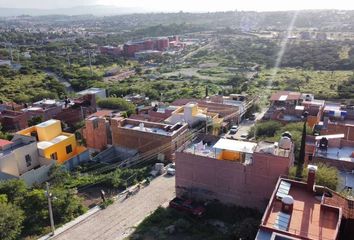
(213, 120)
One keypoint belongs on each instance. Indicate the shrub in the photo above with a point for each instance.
(325, 176)
(105, 204)
(117, 103)
(11, 218)
(265, 129)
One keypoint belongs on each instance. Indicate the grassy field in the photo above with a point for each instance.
(22, 88)
(322, 83)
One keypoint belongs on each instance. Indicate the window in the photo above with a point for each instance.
(28, 160)
(54, 156)
(69, 149)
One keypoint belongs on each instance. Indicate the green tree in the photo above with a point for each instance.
(3, 135)
(117, 103)
(14, 190)
(67, 205)
(35, 120)
(35, 207)
(11, 218)
(265, 129)
(325, 176)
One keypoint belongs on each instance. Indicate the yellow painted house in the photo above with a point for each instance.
(52, 142)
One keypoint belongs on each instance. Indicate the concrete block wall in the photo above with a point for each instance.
(228, 181)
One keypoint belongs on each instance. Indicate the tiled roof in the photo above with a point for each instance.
(4, 142)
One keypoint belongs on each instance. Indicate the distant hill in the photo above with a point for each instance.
(98, 10)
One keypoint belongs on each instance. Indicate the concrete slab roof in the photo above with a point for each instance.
(234, 145)
(285, 96)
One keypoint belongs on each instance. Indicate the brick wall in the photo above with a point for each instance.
(13, 121)
(230, 182)
(95, 133)
(347, 130)
(146, 141)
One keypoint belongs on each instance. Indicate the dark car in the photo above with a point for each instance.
(187, 206)
(252, 117)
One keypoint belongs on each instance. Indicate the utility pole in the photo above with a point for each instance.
(49, 197)
(68, 57)
(12, 58)
(18, 56)
(90, 63)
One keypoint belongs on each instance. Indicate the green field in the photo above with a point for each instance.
(25, 88)
(321, 83)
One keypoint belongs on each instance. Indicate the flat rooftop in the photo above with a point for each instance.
(152, 127)
(203, 146)
(47, 102)
(47, 123)
(14, 145)
(340, 154)
(235, 145)
(285, 96)
(309, 219)
(148, 129)
(91, 91)
(46, 144)
(211, 147)
(272, 148)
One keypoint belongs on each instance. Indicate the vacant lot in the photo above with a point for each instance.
(219, 222)
(322, 83)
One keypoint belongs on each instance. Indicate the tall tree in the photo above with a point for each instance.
(11, 218)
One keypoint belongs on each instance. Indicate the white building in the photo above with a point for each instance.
(20, 159)
(98, 92)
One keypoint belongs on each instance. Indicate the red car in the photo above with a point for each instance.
(187, 206)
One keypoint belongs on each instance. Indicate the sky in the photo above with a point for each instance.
(188, 5)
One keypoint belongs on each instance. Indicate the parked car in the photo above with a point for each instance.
(233, 129)
(187, 206)
(171, 170)
(253, 117)
(244, 136)
(157, 169)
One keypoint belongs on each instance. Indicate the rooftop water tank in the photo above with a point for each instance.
(287, 134)
(287, 204)
(285, 143)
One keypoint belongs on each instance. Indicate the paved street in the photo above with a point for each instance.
(245, 126)
(117, 220)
